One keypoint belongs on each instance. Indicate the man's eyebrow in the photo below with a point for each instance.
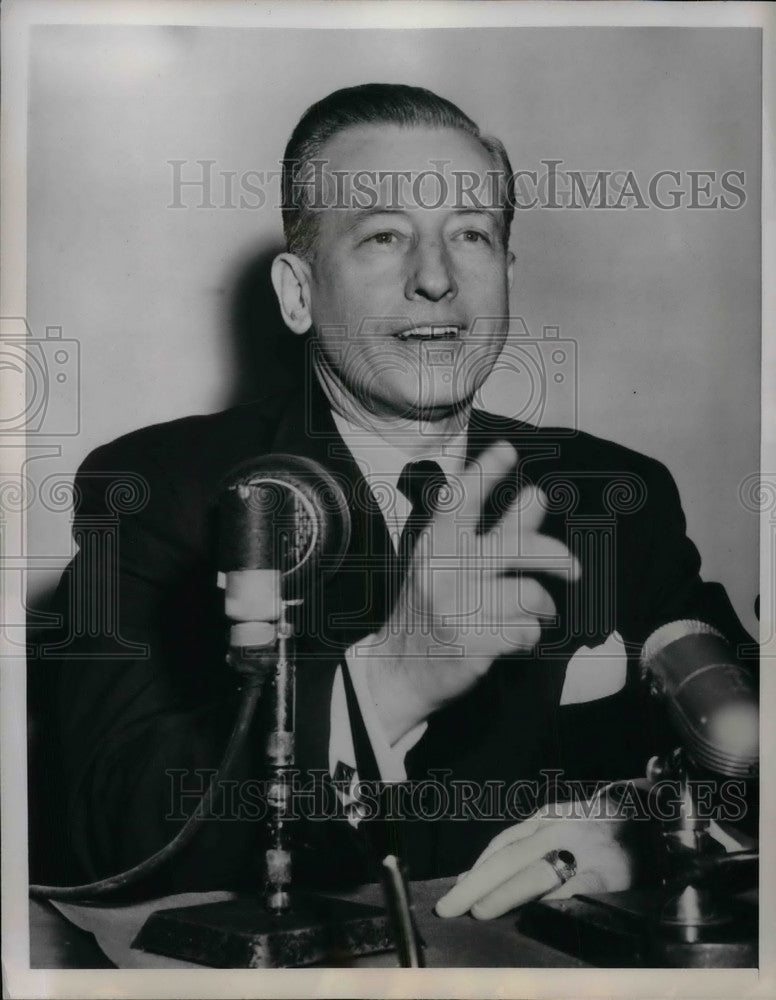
(358, 215)
(490, 213)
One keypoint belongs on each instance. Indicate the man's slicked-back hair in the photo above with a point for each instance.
(370, 104)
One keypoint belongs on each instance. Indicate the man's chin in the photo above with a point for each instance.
(426, 407)
(430, 414)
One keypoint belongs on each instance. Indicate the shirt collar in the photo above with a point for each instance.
(379, 459)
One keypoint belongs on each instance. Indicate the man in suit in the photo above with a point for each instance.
(488, 557)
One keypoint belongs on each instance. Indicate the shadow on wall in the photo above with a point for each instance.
(267, 356)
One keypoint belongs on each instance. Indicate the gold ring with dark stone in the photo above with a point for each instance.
(563, 863)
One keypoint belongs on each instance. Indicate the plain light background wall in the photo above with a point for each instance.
(170, 306)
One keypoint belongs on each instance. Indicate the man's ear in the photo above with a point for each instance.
(510, 268)
(291, 281)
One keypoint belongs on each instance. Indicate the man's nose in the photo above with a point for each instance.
(430, 273)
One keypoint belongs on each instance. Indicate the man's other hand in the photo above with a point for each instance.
(513, 870)
(468, 596)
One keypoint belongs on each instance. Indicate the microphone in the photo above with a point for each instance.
(711, 699)
(284, 525)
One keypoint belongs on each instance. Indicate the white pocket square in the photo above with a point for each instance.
(595, 673)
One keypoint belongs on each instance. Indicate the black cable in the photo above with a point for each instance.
(250, 697)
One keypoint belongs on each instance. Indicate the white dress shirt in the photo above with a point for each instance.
(381, 465)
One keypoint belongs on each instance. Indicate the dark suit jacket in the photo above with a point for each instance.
(140, 700)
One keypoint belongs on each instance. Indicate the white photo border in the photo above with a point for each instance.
(18, 19)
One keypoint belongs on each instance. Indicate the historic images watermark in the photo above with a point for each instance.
(316, 797)
(203, 184)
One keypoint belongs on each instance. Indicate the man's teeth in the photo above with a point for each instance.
(429, 333)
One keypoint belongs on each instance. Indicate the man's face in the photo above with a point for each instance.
(410, 303)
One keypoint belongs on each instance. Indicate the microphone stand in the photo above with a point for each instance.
(277, 927)
(280, 758)
(692, 922)
(686, 921)
(275, 525)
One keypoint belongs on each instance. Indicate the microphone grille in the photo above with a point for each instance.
(669, 633)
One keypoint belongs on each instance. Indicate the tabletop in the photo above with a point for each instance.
(67, 936)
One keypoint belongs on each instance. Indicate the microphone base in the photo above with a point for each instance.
(620, 930)
(243, 934)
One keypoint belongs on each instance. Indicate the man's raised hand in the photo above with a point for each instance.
(469, 596)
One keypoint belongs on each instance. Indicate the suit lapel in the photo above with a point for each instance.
(355, 600)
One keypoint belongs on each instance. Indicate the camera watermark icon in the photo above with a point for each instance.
(532, 379)
(539, 376)
(46, 372)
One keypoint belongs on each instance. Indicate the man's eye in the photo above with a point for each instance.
(383, 239)
(474, 236)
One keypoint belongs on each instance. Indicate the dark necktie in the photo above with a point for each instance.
(421, 483)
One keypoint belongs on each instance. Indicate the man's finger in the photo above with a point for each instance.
(470, 487)
(531, 601)
(520, 512)
(518, 544)
(495, 462)
(591, 883)
(532, 882)
(481, 477)
(527, 510)
(509, 552)
(495, 871)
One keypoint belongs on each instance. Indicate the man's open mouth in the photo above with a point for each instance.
(446, 331)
